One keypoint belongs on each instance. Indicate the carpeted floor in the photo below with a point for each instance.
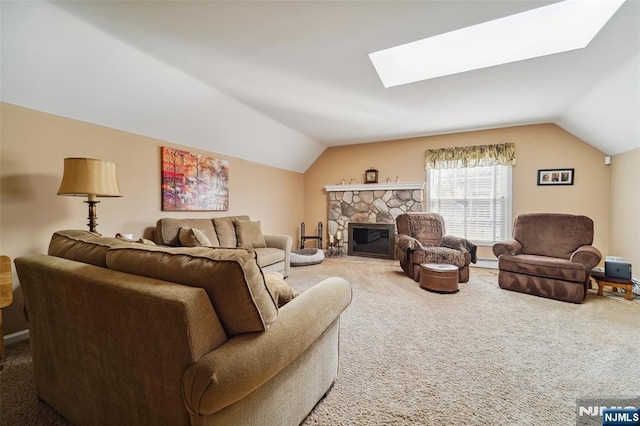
(483, 356)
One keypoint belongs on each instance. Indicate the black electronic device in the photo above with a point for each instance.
(617, 270)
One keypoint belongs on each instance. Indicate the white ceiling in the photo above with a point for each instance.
(279, 82)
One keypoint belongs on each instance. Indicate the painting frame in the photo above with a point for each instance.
(193, 182)
(555, 176)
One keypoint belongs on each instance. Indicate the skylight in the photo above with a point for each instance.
(556, 28)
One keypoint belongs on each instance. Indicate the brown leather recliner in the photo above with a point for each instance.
(550, 255)
(422, 239)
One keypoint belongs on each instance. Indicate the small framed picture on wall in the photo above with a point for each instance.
(555, 176)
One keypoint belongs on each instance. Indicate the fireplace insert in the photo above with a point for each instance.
(371, 240)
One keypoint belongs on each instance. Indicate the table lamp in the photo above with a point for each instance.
(91, 178)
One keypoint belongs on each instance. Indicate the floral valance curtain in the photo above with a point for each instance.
(471, 156)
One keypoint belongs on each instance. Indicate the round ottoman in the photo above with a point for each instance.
(304, 257)
(439, 278)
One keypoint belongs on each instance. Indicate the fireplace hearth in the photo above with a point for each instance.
(371, 240)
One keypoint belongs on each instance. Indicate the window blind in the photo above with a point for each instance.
(474, 201)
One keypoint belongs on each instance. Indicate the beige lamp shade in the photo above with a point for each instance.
(89, 177)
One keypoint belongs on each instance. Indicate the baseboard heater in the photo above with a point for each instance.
(16, 337)
(485, 262)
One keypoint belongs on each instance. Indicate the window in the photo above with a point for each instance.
(475, 201)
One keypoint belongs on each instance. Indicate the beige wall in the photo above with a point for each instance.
(34, 145)
(624, 229)
(537, 147)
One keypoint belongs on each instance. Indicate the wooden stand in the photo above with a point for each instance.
(6, 296)
(602, 280)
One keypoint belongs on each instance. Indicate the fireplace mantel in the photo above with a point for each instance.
(375, 187)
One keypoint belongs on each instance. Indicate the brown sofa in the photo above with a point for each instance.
(550, 255)
(124, 333)
(421, 239)
(273, 251)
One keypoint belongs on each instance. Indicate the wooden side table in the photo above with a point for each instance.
(6, 295)
(439, 278)
(602, 280)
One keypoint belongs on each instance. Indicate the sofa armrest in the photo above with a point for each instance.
(247, 361)
(460, 244)
(589, 256)
(511, 247)
(283, 242)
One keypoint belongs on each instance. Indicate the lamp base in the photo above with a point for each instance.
(93, 218)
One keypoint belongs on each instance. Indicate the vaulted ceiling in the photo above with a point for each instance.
(279, 82)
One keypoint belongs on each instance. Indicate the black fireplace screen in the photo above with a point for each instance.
(371, 239)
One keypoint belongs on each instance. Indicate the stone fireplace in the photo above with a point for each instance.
(370, 203)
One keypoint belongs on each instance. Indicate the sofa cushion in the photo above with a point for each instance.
(83, 246)
(231, 278)
(139, 240)
(543, 266)
(168, 230)
(226, 229)
(281, 292)
(249, 234)
(438, 255)
(193, 237)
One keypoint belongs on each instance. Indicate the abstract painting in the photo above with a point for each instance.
(193, 181)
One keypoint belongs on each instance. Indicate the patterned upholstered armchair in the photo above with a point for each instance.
(421, 239)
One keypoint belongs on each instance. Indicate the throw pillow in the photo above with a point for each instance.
(281, 292)
(226, 229)
(249, 234)
(192, 237)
